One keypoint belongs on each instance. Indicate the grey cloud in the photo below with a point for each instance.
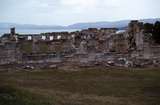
(71, 11)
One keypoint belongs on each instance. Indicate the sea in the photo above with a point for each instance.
(36, 31)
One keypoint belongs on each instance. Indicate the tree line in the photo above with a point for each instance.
(154, 30)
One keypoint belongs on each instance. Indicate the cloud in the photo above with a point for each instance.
(80, 3)
(72, 11)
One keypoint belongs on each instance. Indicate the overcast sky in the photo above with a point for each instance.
(65, 12)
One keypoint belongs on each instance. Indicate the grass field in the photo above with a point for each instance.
(84, 87)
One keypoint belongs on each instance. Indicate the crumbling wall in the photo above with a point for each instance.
(87, 47)
(135, 38)
(9, 53)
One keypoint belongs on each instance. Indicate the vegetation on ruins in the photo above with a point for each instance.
(43, 47)
(26, 47)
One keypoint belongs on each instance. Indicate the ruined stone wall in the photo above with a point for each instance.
(135, 32)
(103, 46)
(151, 52)
(9, 53)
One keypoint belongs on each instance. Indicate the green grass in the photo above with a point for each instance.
(43, 47)
(26, 47)
(85, 87)
(10, 95)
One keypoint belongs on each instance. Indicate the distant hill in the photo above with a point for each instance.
(28, 26)
(117, 24)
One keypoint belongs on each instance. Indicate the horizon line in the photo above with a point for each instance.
(79, 22)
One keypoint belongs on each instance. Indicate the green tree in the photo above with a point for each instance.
(148, 28)
(156, 32)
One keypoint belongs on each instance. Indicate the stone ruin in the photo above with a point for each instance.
(103, 47)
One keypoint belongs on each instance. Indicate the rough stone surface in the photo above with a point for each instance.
(92, 47)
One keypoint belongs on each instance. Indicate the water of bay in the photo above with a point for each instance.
(37, 31)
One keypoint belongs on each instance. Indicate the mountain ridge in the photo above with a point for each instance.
(102, 24)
